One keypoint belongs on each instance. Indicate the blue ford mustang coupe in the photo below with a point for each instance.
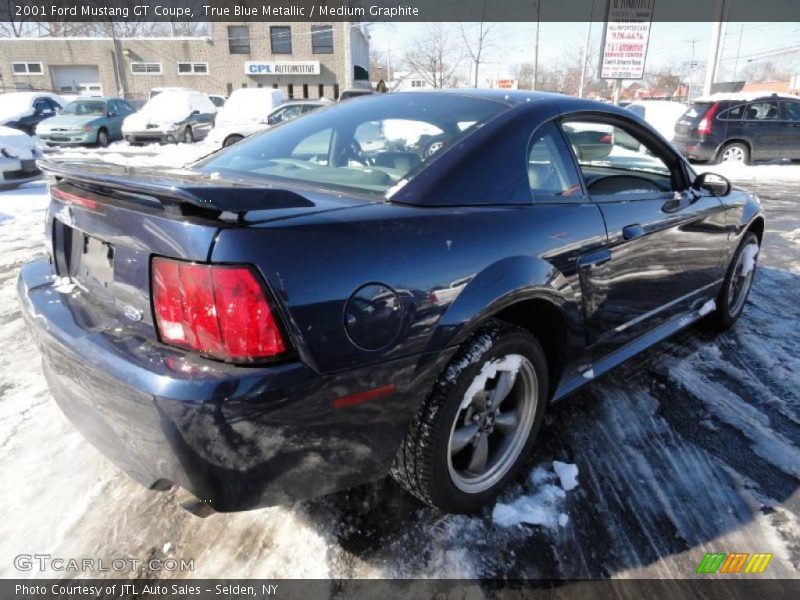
(401, 283)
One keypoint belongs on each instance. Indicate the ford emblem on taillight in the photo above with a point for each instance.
(133, 313)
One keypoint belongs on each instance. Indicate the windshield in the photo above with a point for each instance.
(92, 108)
(369, 146)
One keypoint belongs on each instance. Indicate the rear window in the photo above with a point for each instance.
(369, 146)
(697, 110)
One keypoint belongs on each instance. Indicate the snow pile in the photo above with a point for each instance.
(749, 255)
(543, 505)
(567, 474)
(510, 364)
(707, 308)
(756, 173)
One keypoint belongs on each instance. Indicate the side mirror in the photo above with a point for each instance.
(111, 113)
(713, 183)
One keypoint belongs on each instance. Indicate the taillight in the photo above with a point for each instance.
(704, 126)
(218, 310)
(68, 198)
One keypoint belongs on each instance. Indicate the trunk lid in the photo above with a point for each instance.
(106, 222)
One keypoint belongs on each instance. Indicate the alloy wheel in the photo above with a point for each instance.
(733, 154)
(493, 423)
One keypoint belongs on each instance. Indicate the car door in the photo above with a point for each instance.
(665, 240)
(763, 128)
(791, 114)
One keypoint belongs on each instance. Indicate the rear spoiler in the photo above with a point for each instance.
(176, 189)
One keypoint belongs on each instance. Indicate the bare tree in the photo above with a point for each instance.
(476, 44)
(432, 57)
(10, 24)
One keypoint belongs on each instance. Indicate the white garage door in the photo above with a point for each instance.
(84, 80)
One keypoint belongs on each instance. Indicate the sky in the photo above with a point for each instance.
(670, 42)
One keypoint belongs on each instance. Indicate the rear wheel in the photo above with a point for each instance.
(735, 152)
(737, 284)
(231, 140)
(475, 430)
(188, 136)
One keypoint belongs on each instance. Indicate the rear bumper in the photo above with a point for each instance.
(696, 149)
(236, 437)
(12, 172)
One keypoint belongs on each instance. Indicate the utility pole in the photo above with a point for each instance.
(692, 65)
(536, 47)
(713, 47)
(586, 51)
(738, 50)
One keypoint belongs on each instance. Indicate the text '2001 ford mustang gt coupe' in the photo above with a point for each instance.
(398, 284)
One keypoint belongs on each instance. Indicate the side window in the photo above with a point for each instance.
(732, 114)
(762, 111)
(616, 161)
(792, 110)
(550, 171)
(41, 106)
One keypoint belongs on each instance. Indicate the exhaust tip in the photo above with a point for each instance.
(194, 505)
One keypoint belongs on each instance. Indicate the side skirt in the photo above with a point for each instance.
(641, 344)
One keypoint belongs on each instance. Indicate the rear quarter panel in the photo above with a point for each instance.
(484, 257)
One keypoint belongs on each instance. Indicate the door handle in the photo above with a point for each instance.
(631, 232)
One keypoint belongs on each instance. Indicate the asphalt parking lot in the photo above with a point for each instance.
(692, 447)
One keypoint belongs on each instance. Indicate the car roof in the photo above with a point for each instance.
(517, 98)
(745, 96)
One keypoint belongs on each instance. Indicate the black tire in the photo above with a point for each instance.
(102, 138)
(739, 148)
(231, 140)
(188, 136)
(729, 307)
(425, 462)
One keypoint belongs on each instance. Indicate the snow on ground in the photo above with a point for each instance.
(690, 448)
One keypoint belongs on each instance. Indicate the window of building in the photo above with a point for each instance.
(146, 68)
(321, 90)
(335, 91)
(27, 68)
(192, 68)
(274, 86)
(322, 39)
(239, 39)
(290, 90)
(280, 38)
(305, 90)
(417, 83)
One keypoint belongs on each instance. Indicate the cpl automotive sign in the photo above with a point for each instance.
(259, 67)
(625, 38)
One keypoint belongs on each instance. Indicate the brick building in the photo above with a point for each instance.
(305, 60)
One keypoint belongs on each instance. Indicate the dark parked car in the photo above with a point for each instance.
(25, 110)
(739, 130)
(292, 316)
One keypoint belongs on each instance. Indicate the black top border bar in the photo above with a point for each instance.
(689, 11)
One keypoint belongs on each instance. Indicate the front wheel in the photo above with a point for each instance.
(737, 283)
(476, 428)
(102, 138)
(188, 136)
